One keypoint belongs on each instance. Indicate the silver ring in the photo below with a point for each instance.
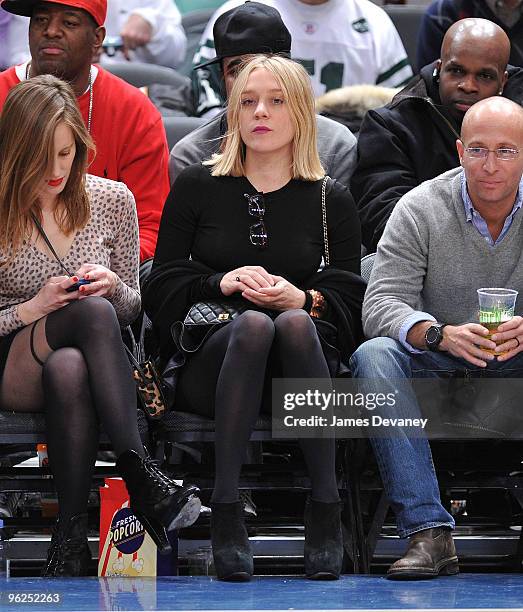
(238, 279)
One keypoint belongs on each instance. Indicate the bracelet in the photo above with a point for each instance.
(308, 302)
(318, 304)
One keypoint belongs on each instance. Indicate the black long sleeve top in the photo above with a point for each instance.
(208, 218)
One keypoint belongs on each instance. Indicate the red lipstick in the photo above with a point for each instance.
(55, 182)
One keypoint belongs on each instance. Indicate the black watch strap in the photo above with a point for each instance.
(434, 336)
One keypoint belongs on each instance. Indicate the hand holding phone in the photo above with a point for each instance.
(77, 285)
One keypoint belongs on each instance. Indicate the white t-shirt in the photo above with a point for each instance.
(340, 42)
(15, 49)
(168, 44)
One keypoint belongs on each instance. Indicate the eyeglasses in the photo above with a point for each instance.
(257, 231)
(504, 153)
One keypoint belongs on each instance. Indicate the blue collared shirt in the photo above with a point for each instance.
(477, 220)
(472, 216)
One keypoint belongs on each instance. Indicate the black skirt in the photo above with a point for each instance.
(327, 334)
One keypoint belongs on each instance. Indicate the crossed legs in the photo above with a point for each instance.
(71, 365)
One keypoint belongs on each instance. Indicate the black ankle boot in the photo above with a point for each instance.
(323, 553)
(230, 544)
(156, 499)
(69, 553)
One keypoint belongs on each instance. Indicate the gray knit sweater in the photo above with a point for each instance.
(430, 259)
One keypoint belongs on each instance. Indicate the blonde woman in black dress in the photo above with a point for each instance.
(250, 220)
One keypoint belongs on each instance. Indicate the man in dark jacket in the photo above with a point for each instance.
(413, 138)
(441, 14)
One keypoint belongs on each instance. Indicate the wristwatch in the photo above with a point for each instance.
(434, 336)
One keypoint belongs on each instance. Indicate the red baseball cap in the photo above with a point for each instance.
(96, 8)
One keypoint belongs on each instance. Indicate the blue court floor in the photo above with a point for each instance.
(466, 591)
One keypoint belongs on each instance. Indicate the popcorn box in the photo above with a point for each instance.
(126, 549)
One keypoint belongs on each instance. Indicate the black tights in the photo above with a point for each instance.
(225, 380)
(83, 380)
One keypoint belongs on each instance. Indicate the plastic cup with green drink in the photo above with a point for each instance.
(496, 306)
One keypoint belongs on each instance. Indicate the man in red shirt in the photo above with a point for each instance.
(131, 145)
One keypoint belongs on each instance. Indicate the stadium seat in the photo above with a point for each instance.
(177, 127)
(194, 24)
(407, 19)
(140, 74)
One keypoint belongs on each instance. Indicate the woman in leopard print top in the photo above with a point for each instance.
(61, 349)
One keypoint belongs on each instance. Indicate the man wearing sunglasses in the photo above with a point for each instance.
(446, 238)
(245, 30)
(412, 139)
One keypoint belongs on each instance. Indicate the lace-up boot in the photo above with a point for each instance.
(156, 499)
(69, 554)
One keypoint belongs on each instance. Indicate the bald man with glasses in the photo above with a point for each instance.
(452, 235)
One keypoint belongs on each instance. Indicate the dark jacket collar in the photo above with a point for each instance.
(423, 87)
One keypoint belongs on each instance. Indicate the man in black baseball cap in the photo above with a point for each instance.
(245, 30)
(249, 29)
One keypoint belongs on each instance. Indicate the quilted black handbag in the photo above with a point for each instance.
(202, 319)
(214, 312)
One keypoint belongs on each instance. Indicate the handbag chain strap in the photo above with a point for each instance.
(48, 242)
(324, 216)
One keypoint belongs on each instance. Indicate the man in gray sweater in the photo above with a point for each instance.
(445, 239)
(242, 31)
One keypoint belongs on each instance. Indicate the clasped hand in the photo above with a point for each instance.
(469, 340)
(262, 289)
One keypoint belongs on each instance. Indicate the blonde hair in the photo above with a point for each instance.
(297, 92)
(32, 111)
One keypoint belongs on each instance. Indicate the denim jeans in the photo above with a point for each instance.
(406, 463)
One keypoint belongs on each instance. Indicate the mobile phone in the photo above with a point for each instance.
(76, 286)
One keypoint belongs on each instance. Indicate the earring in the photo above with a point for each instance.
(435, 75)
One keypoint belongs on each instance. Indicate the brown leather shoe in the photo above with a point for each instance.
(431, 553)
